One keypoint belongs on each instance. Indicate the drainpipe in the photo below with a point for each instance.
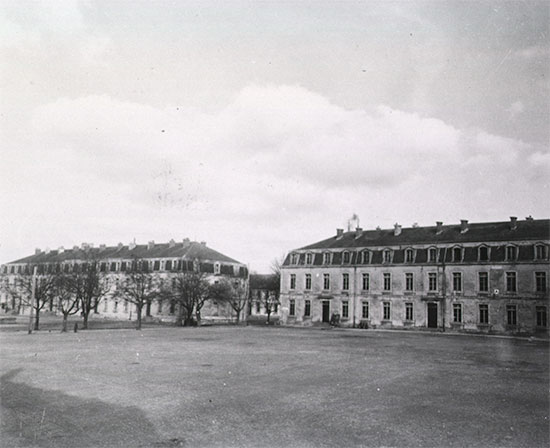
(444, 291)
(354, 288)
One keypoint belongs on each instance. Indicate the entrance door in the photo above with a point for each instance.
(326, 311)
(432, 315)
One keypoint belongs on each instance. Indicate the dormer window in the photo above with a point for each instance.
(365, 257)
(294, 259)
(432, 255)
(511, 253)
(386, 256)
(409, 256)
(217, 268)
(541, 252)
(346, 258)
(457, 254)
(483, 253)
(326, 258)
(309, 258)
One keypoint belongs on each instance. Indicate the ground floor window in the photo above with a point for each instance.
(345, 309)
(457, 312)
(307, 308)
(511, 314)
(115, 308)
(542, 316)
(408, 311)
(365, 312)
(483, 314)
(258, 305)
(159, 307)
(386, 311)
(105, 306)
(275, 307)
(172, 306)
(292, 307)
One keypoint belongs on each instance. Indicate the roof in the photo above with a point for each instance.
(263, 281)
(188, 249)
(529, 229)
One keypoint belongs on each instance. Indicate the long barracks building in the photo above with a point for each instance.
(482, 277)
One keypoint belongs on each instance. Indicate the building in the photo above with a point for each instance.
(264, 296)
(482, 277)
(165, 261)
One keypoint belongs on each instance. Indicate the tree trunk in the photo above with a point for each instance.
(37, 320)
(268, 314)
(64, 328)
(85, 320)
(148, 309)
(138, 311)
(238, 316)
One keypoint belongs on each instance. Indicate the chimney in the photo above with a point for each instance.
(150, 245)
(203, 243)
(84, 246)
(132, 245)
(37, 251)
(358, 232)
(339, 233)
(438, 227)
(171, 243)
(102, 247)
(396, 229)
(463, 225)
(60, 250)
(47, 250)
(75, 248)
(529, 218)
(513, 222)
(120, 246)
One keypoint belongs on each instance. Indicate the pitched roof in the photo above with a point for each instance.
(263, 281)
(188, 250)
(477, 233)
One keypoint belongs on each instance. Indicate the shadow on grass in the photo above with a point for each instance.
(31, 416)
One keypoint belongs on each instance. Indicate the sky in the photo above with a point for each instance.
(261, 127)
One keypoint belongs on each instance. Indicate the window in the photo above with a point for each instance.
(156, 265)
(308, 281)
(408, 311)
(483, 281)
(386, 311)
(159, 307)
(103, 267)
(258, 306)
(105, 306)
(365, 257)
(542, 316)
(326, 281)
(346, 257)
(217, 267)
(483, 253)
(511, 253)
(457, 254)
(292, 311)
(386, 256)
(432, 281)
(294, 259)
(292, 281)
(307, 308)
(409, 256)
(123, 266)
(457, 281)
(113, 267)
(365, 310)
(345, 309)
(326, 258)
(483, 313)
(115, 307)
(409, 281)
(511, 282)
(275, 307)
(345, 282)
(457, 312)
(540, 252)
(540, 281)
(387, 281)
(432, 255)
(309, 258)
(172, 306)
(511, 315)
(366, 282)
(125, 305)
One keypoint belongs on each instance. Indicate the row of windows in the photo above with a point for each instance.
(457, 253)
(483, 312)
(457, 281)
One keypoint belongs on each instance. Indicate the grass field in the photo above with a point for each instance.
(271, 387)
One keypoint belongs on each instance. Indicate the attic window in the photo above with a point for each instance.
(217, 268)
(168, 265)
(365, 257)
(511, 252)
(326, 258)
(432, 255)
(294, 259)
(541, 252)
(386, 256)
(457, 254)
(409, 256)
(309, 258)
(483, 253)
(347, 257)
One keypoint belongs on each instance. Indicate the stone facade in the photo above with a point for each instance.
(486, 277)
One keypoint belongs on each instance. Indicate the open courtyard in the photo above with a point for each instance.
(271, 387)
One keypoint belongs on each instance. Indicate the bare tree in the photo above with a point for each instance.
(140, 288)
(189, 290)
(271, 298)
(67, 302)
(236, 295)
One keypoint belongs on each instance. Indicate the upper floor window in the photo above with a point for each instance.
(308, 281)
(387, 281)
(432, 281)
(292, 281)
(511, 285)
(326, 281)
(540, 281)
(483, 253)
(217, 267)
(294, 259)
(432, 255)
(483, 281)
(309, 258)
(386, 256)
(457, 312)
(346, 258)
(457, 281)
(541, 252)
(365, 257)
(409, 281)
(326, 258)
(511, 252)
(409, 256)
(457, 254)
(345, 282)
(366, 282)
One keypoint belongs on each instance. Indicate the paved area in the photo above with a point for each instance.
(272, 387)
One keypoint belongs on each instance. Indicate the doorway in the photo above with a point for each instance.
(432, 315)
(326, 311)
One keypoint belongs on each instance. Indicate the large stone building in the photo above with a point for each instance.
(482, 277)
(165, 261)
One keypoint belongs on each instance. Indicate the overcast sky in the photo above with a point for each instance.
(260, 127)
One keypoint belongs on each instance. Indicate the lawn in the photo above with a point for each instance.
(271, 387)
